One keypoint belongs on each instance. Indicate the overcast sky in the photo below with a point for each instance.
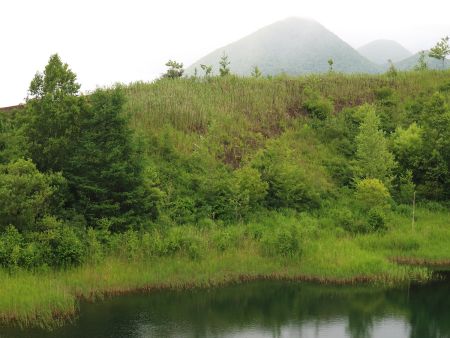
(123, 41)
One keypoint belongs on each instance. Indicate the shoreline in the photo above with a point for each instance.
(48, 315)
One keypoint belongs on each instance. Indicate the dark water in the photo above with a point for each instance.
(265, 309)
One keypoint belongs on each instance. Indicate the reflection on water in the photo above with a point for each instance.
(265, 309)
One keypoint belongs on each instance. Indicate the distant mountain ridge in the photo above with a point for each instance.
(411, 62)
(294, 46)
(380, 51)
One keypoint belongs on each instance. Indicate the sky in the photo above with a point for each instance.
(105, 42)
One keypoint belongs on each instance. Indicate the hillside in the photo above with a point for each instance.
(411, 62)
(293, 46)
(379, 51)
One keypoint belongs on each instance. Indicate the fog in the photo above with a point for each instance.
(123, 41)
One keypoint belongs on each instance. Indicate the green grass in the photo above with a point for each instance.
(264, 105)
(47, 298)
(428, 240)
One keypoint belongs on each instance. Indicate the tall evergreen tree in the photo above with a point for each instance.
(87, 138)
(105, 170)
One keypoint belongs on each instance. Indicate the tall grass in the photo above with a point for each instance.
(193, 104)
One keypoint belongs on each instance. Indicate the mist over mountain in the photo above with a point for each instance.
(293, 46)
(380, 51)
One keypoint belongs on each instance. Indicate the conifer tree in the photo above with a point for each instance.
(88, 139)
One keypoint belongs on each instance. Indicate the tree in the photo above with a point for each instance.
(12, 143)
(207, 69)
(224, 65)
(105, 171)
(392, 71)
(421, 63)
(88, 139)
(441, 50)
(373, 159)
(434, 170)
(330, 64)
(52, 115)
(256, 72)
(175, 70)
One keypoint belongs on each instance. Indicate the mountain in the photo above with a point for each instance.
(293, 46)
(380, 51)
(411, 62)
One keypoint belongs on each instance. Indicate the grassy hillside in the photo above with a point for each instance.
(293, 46)
(261, 106)
(380, 51)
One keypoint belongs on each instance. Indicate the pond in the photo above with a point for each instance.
(264, 309)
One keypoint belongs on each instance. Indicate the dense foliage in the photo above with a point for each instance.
(157, 168)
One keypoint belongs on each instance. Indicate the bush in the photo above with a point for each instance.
(294, 180)
(94, 247)
(227, 238)
(372, 193)
(317, 106)
(25, 194)
(255, 231)
(61, 247)
(344, 218)
(11, 243)
(128, 244)
(405, 189)
(219, 195)
(376, 220)
(252, 190)
(281, 241)
(183, 240)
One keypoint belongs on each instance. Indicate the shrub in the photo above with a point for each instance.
(255, 231)
(25, 194)
(294, 180)
(227, 238)
(405, 188)
(252, 190)
(183, 240)
(11, 242)
(152, 243)
(376, 220)
(372, 193)
(344, 218)
(219, 195)
(31, 255)
(94, 248)
(316, 105)
(61, 247)
(281, 241)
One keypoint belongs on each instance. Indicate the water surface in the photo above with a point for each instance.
(265, 309)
